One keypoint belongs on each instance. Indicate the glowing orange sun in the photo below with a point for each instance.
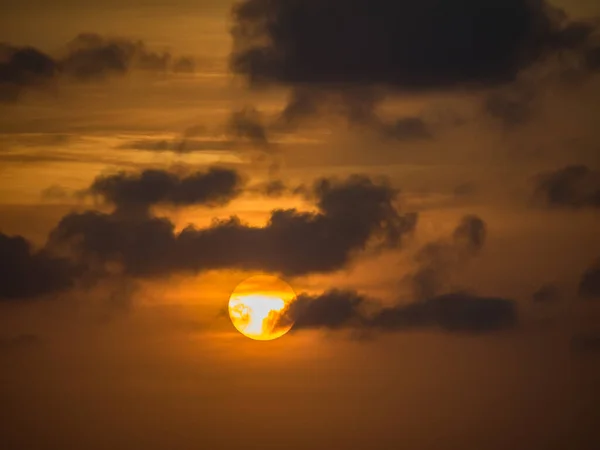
(258, 306)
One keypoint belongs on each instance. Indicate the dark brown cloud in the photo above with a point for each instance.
(403, 44)
(92, 56)
(575, 186)
(22, 68)
(511, 108)
(132, 192)
(548, 293)
(352, 214)
(436, 261)
(89, 56)
(589, 285)
(457, 312)
(25, 272)
(183, 145)
(247, 125)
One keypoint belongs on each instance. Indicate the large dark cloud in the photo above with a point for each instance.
(455, 312)
(575, 186)
(26, 273)
(589, 285)
(352, 214)
(403, 44)
(137, 191)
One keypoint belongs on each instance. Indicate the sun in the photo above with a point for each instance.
(258, 306)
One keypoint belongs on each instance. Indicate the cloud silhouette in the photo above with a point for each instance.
(26, 273)
(402, 44)
(575, 186)
(352, 214)
(135, 192)
(458, 312)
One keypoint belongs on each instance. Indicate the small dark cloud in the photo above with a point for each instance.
(436, 261)
(55, 192)
(272, 189)
(23, 68)
(247, 125)
(589, 285)
(575, 186)
(183, 145)
(89, 56)
(184, 65)
(511, 108)
(92, 56)
(547, 293)
(456, 312)
(465, 189)
(352, 214)
(403, 44)
(26, 273)
(335, 309)
(408, 128)
(132, 192)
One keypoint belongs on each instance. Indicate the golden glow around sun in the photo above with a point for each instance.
(258, 305)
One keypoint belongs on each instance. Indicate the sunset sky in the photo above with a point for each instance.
(425, 175)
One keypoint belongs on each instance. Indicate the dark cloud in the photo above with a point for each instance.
(589, 285)
(352, 214)
(92, 56)
(456, 312)
(247, 124)
(403, 44)
(22, 68)
(574, 186)
(436, 261)
(89, 56)
(138, 191)
(511, 108)
(547, 293)
(408, 128)
(26, 273)
(183, 145)
(465, 189)
(272, 189)
(184, 64)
